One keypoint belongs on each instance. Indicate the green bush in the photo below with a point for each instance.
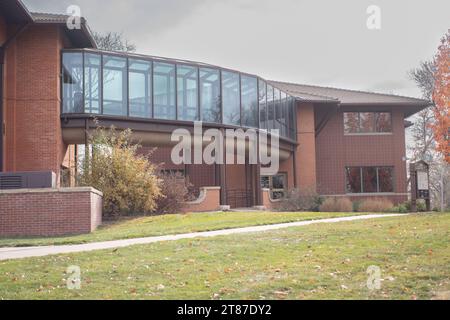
(128, 180)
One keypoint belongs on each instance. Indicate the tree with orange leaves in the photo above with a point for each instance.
(441, 97)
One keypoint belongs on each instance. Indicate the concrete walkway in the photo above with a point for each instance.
(26, 252)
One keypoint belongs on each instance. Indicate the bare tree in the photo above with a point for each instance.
(423, 147)
(113, 41)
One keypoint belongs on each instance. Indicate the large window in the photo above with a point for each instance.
(249, 90)
(230, 98)
(276, 110)
(72, 83)
(187, 86)
(115, 86)
(369, 179)
(92, 88)
(270, 108)
(367, 122)
(140, 94)
(262, 105)
(210, 95)
(283, 115)
(164, 91)
(292, 119)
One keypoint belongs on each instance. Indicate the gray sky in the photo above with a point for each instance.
(315, 42)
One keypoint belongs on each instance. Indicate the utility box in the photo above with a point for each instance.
(27, 180)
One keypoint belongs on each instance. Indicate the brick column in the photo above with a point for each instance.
(305, 153)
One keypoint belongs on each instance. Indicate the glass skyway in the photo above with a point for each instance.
(102, 83)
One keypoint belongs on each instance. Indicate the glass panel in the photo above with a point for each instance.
(369, 180)
(277, 109)
(230, 98)
(265, 182)
(249, 91)
(384, 122)
(72, 83)
(262, 104)
(164, 91)
(283, 118)
(386, 179)
(114, 85)
(140, 88)
(92, 75)
(187, 86)
(367, 122)
(278, 181)
(353, 176)
(351, 122)
(291, 118)
(270, 108)
(210, 95)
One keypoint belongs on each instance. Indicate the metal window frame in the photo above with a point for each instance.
(176, 63)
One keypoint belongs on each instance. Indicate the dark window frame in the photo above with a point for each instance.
(361, 169)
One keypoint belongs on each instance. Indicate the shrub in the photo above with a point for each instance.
(401, 208)
(127, 180)
(300, 200)
(376, 205)
(175, 191)
(337, 204)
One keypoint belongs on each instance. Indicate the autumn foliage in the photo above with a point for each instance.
(441, 97)
(128, 180)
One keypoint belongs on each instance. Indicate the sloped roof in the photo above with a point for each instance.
(345, 96)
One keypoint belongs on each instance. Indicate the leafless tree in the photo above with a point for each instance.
(113, 41)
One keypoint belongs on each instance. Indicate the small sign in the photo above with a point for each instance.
(422, 180)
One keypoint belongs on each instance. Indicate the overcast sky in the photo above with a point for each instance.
(306, 41)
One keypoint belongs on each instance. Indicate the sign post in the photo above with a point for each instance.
(420, 184)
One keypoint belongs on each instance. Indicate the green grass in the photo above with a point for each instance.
(313, 262)
(173, 224)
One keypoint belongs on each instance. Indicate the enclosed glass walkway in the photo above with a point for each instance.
(135, 86)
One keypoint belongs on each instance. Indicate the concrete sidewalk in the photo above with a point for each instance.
(26, 252)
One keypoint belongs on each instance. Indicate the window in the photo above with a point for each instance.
(187, 86)
(277, 185)
(262, 105)
(383, 122)
(270, 108)
(72, 82)
(367, 122)
(164, 91)
(369, 179)
(210, 95)
(249, 91)
(276, 110)
(92, 77)
(292, 119)
(231, 98)
(114, 85)
(282, 114)
(140, 88)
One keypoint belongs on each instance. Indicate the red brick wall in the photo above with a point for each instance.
(49, 212)
(209, 200)
(306, 150)
(33, 130)
(335, 151)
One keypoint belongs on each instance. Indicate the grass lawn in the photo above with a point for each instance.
(174, 224)
(313, 262)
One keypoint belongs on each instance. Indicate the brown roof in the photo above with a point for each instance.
(345, 96)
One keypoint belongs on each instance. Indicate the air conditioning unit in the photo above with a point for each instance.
(27, 180)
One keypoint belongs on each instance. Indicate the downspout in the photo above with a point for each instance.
(3, 48)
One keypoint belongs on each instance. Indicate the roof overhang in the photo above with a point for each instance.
(14, 11)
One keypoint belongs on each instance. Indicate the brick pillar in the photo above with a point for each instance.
(305, 153)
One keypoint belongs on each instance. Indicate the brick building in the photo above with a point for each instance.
(55, 83)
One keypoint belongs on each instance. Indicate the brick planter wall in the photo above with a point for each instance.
(209, 200)
(49, 212)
